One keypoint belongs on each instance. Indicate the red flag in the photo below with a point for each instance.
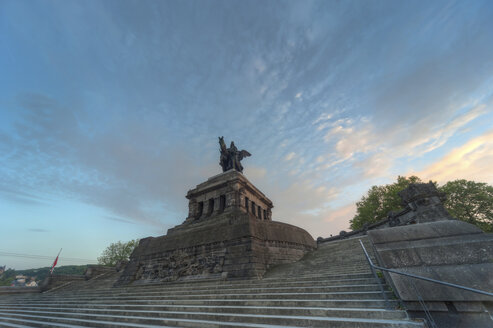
(54, 263)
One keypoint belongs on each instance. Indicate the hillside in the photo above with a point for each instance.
(40, 273)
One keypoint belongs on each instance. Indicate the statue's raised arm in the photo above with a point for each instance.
(230, 157)
(224, 157)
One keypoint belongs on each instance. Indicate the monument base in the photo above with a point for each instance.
(233, 245)
(231, 236)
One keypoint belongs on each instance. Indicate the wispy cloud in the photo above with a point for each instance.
(290, 156)
(470, 161)
(112, 218)
(37, 230)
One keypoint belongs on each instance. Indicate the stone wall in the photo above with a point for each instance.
(57, 280)
(18, 290)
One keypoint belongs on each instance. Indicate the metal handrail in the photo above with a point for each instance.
(387, 302)
(373, 266)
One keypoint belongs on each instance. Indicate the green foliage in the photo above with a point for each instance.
(117, 252)
(379, 201)
(7, 277)
(471, 202)
(40, 273)
(468, 201)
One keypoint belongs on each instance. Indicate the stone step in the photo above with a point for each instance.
(191, 319)
(347, 303)
(322, 279)
(248, 283)
(266, 283)
(290, 296)
(10, 324)
(220, 291)
(330, 287)
(301, 272)
(23, 323)
(314, 276)
(305, 286)
(162, 311)
(45, 321)
(356, 274)
(299, 281)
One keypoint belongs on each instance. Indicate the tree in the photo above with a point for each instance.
(7, 277)
(468, 201)
(117, 252)
(471, 202)
(379, 201)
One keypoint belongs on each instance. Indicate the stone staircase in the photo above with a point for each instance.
(330, 287)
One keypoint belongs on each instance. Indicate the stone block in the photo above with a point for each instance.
(476, 276)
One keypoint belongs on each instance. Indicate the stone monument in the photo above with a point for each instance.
(228, 233)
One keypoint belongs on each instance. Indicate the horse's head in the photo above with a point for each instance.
(222, 144)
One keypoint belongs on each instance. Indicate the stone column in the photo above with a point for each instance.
(241, 200)
(231, 199)
(206, 209)
(216, 205)
(192, 209)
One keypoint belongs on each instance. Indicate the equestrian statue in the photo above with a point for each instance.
(231, 157)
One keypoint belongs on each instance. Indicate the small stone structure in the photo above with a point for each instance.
(428, 242)
(421, 203)
(228, 232)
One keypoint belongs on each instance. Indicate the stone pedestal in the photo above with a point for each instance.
(228, 233)
(225, 193)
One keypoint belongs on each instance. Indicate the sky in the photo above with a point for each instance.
(110, 111)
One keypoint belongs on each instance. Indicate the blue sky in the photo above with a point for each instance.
(110, 110)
